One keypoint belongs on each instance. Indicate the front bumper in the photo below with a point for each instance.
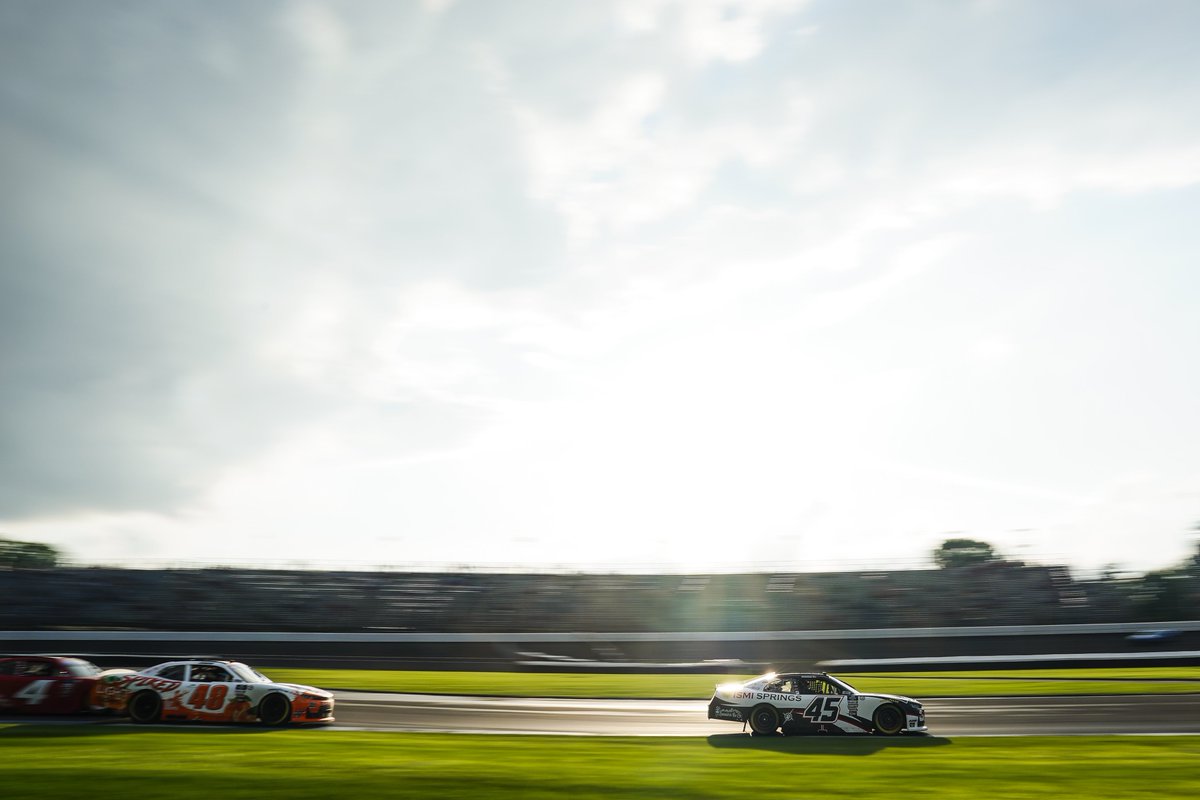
(312, 709)
(914, 721)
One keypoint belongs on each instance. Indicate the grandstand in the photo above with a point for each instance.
(994, 593)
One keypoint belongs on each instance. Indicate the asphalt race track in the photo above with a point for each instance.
(949, 717)
(946, 717)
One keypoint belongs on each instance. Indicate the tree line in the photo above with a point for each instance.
(28, 555)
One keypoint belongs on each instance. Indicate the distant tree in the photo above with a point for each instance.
(963, 553)
(1111, 572)
(1161, 595)
(27, 555)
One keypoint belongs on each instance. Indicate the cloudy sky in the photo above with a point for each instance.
(690, 284)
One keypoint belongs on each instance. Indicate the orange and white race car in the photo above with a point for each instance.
(213, 691)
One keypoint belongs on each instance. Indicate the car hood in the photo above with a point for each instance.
(897, 697)
(299, 687)
(115, 671)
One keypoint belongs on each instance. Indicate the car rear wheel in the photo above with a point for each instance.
(764, 720)
(145, 707)
(888, 719)
(275, 709)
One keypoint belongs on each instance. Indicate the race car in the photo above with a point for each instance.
(213, 691)
(51, 684)
(813, 702)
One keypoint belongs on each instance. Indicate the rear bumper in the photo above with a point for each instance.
(719, 709)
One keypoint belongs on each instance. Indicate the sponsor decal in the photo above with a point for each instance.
(148, 681)
(754, 695)
(240, 709)
(724, 712)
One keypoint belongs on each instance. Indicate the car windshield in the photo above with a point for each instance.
(248, 673)
(769, 676)
(80, 668)
(838, 683)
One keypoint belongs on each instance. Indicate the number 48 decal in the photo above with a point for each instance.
(823, 709)
(212, 700)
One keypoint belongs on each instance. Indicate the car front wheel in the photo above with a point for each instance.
(889, 720)
(275, 709)
(145, 707)
(764, 720)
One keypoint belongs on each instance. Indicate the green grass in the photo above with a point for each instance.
(1118, 680)
(98, 761)
(507, 684)
(929, 684)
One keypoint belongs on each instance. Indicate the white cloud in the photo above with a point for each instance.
(437, 6)
(1043, 177)
(708, 30)
(997, 347)
(662, 287)
(616, 169)
(1137, 522)
(320, 31)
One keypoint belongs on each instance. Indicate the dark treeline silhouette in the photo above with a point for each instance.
(27, 555)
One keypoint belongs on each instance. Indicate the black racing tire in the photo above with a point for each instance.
(145, 707)
(275, 709)
(888, 719)
(764, 720)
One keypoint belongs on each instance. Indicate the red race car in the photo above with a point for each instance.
(51, 685)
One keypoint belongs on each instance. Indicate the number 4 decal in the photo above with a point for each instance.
(823, 709)
(34, 693)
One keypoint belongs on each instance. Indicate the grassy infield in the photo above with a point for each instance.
(46, 761)
(1146, 680)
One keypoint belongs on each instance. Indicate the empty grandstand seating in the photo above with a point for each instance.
(996, 593)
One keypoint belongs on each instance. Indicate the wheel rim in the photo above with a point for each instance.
(144, 707)
(275, 710)
(889, 720)
(765, 720)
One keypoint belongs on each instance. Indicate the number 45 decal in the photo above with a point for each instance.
(823, 709)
